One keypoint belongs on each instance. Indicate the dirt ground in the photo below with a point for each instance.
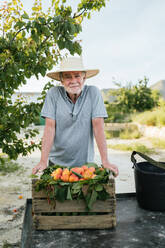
(18, 185)
(13, 187)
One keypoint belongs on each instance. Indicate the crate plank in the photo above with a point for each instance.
(74, 222)
(41, 205)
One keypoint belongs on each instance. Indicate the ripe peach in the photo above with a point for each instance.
(81, 170)
(92, 169)
(77, 170)
(84, 167)
(53, 173)
(58, 171)
(65, 178)
(57, 176)
(88, 174)
(66, 172)
(73, 178)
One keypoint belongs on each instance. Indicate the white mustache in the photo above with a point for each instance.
(72, 85)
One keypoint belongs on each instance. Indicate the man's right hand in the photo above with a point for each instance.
(39, 168)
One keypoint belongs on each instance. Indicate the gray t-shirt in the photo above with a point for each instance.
(73, 142)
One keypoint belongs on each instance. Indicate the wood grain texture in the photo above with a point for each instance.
(74, 222)
(42, 206)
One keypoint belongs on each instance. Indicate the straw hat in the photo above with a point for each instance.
(72, 64)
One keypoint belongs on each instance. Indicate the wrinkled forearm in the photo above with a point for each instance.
(98, 129)
(47, 141)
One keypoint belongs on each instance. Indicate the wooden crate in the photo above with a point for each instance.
(44, 214)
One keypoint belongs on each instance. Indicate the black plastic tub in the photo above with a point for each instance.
(136, 227)
(149, 183)
(150, 186)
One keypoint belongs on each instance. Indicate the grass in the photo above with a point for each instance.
(133, 147)
(158, 143)
(112, 134)
(8, 166)
(131, 132)
(155, 117)
(6, 245)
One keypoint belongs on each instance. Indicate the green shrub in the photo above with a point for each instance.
(161, 118)
(132, 147)
(151, 118)
(130, 133)
(7, 166)
(112, 134)
(129, 99)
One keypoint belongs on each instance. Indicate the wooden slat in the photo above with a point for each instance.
(42, 206)
(74, 222)
(40, 194)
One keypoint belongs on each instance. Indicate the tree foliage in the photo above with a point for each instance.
(32, 45)
(130, 99)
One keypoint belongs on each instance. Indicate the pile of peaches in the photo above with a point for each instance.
(74, 174)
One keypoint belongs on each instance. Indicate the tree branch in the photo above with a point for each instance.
(75, 16)
(18, 33)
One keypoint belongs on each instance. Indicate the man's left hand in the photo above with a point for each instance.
(112, 168)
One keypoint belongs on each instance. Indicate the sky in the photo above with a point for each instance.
(125, 40)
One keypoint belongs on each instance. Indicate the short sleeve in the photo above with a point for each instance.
(98, 107)
(49, 107)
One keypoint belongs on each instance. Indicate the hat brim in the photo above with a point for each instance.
(89, 73)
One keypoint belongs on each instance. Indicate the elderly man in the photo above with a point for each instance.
(74, 115)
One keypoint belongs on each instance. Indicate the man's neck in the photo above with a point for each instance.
(73, 97)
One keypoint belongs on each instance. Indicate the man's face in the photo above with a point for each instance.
(73, 81)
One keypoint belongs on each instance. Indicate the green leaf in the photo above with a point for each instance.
(103, 196)
(42, 71)
(72, 28)
(19, 24)
(53, 182)
(25, 16)
(69, 196)
(33, 176)
(42, 20)
(63, 183)
(46, 177)
(61, 44)
(99, 187)
(77, 174)
(61, 193)
(46, 31)
(92, 199)
(76, 186)
(23, 34)
(76, 191)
